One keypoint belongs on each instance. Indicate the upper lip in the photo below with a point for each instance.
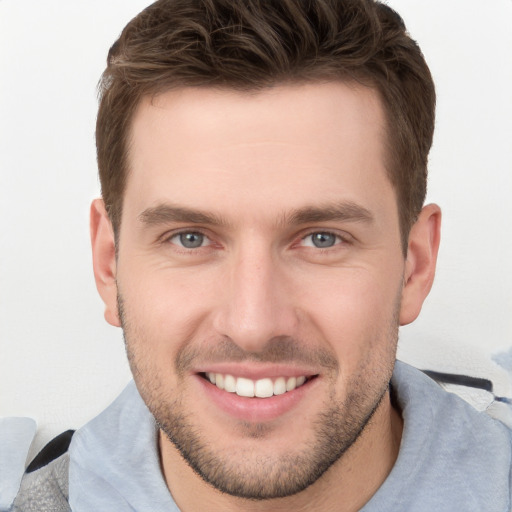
(257, 371)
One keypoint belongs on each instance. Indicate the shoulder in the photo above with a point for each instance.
(447, 445)
(44, 486)
(432, 413)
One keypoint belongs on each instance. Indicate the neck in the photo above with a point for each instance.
(345, 487)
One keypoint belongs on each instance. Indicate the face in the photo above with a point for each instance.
(259, 276)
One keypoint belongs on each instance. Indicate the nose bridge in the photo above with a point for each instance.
(255, 307)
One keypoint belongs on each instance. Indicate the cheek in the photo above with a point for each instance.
(356, 313)
(163, 308)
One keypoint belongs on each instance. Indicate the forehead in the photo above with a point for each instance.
(283, 112)
(291, 143)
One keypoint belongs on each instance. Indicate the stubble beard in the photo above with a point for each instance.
(255, 475)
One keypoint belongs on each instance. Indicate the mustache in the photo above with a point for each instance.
(280, 349)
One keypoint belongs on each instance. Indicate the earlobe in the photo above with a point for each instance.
(104, 260)
(420, 265)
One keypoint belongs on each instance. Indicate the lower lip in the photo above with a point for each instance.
(255, 409)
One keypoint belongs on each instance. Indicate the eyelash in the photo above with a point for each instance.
(340, 240)
(166, 239)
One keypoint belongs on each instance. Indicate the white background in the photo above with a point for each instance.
(60, 363)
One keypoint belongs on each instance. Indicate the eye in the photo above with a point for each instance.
(190, 240)
(321, 240)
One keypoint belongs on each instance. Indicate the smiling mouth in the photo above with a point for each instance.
(261, 388)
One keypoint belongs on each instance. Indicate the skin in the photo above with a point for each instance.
(265, 171)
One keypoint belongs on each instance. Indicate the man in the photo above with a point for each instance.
(260, 239)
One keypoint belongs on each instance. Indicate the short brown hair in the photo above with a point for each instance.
(254, 44)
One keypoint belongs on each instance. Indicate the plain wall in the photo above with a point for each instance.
(60, 363)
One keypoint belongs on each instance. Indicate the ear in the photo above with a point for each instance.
(104, 260)
(420, 265)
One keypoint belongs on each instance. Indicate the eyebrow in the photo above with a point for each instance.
(341, 212)
(164, 214)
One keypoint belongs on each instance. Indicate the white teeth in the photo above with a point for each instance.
(291, 384)
(280, 386)
(244, 387)
(230, 384)
(262, 388)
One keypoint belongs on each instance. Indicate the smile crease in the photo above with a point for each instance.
(261, 388)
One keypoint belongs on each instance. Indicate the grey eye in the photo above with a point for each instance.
(191, 240)
(323, 240)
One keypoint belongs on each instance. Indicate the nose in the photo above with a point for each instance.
(256, 303)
